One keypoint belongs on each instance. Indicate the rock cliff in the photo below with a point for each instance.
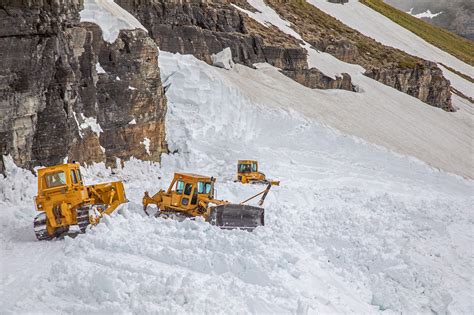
(203, 28)
(64, 92)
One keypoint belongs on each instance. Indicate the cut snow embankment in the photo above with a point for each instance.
(378, 114)
(353, 228)
(110, 17)
(373, 24)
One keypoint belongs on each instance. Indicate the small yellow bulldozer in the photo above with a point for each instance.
(192, 195)
(64, 201)
(247, 173)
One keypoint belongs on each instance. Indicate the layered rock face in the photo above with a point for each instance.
(120, 86)
(54, 104)
(203, 28)
(425, 81)
(38, 85)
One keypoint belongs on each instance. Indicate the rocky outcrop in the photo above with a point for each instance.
(120, 87)
(38, 86)
(204, 28)
(54, 103)
(425, 81)
(315, 79)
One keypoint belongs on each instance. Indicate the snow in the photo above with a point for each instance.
(87, 123)
(267, 16)
(353, 228)
(146, 143)
(99, 69)
(110, 17)
(133, 122)
(370, 23)
(460, 84)
(427, 14)
(131, 88)
(223, 59)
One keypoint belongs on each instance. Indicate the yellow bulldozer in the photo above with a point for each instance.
(247, 173)
(64, 201)
(192, 195)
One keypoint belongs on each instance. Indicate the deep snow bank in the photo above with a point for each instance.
(352, 229)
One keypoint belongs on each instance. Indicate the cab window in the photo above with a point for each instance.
(179, 186)
(188, 189)
(74, 177)
(245, 168)
(80, 176)
(254, 167)
(203, 188)
(55, 179)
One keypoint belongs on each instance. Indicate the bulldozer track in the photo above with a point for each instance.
(41, 231)
(83, 220)
(39, 225)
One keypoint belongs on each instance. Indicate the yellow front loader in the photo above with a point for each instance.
(192, 195)
(64, 201)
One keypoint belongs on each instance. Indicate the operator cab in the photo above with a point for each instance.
(186, 187)
(247, 166)
(59, 177)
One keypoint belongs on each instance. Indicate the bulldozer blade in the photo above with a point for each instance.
(235, 216)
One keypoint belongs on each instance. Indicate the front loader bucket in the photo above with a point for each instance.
(235, 216)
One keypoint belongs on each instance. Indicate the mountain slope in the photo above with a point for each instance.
(377, 26)
(377, 114)
(352, 229)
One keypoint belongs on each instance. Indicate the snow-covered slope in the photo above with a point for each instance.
(371, 23)
(353, 228)
(378, 114)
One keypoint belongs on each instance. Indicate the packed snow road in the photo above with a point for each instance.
(353, 228)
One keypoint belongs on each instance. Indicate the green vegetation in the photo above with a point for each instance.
(322, 30)
(455, 45)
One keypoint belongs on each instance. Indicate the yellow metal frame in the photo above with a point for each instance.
(171, 200)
